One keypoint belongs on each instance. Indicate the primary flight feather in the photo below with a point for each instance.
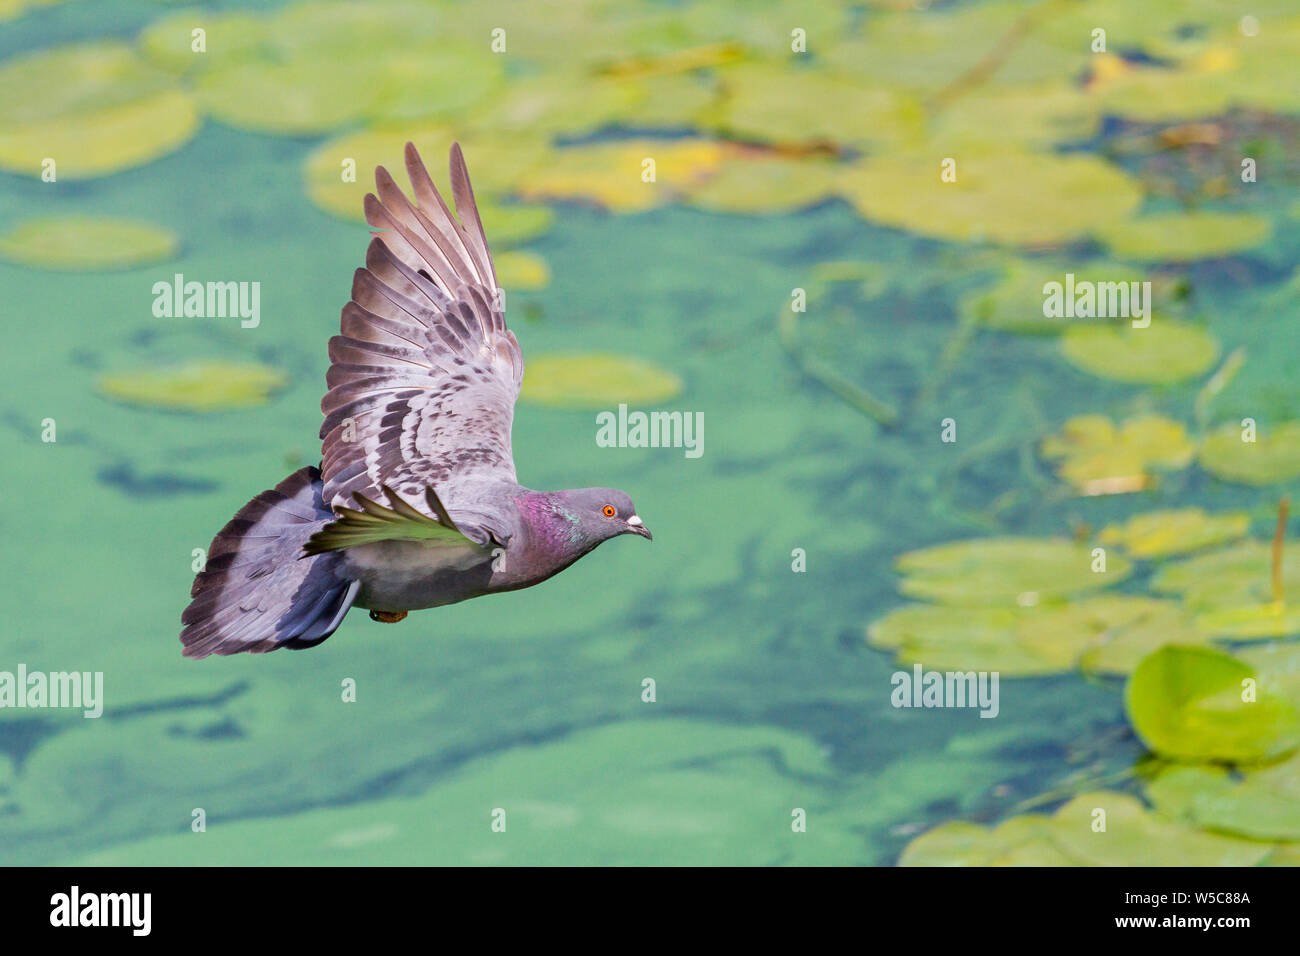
(415, 503)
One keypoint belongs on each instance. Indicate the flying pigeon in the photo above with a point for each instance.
(415, 503)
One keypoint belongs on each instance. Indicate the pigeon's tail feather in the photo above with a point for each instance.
(259, 591)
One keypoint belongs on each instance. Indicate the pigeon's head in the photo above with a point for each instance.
(602, 513)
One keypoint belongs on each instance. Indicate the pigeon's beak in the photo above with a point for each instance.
(636, 527)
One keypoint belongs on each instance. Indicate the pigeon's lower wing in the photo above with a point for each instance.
(424, 377)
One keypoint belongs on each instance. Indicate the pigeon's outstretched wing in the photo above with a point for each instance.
(424, 377)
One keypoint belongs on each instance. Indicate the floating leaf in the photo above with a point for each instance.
(597, 381)
(1005, 572)
(1017, 841)
(521, 270)
(1184, 237)
(564, 101)
(201, 386)
(228, 37)
(1186, 703)
(86, 243)
(1133, 836)
(1037, 116)
(1262, 805)
(611, 173)
(1232, 590)
(1158, 534)
(1016, 303)
(1159, 94)
(300, 97)
(770, 103)
(766, 185)
(1103, 634)
(1008, 197)
(340, 172)
(1163, 353)
(1098, 459)
(1273, 457)
(94, 109)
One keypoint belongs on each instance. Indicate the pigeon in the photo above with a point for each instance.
(415, 503)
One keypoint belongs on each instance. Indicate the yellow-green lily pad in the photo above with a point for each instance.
(521, 270)
(1101, 828)
(765, 185)
(93, 109)
(200, 386)
(1017, 301)
(1273, 457)
(228, 37)
(1184, 237)
(1017, 841)
(1163, 353)
(1239, 574)
(597, 381)
(1186, 703)
(1158, 534)
(341, 171)
(1008, 197)
(627, 175)
(299, 97)
(1005, 572)
(1099, 458)
(768, 102)
(1262, 804)
(87, 243)
(1105, 634)
(1135, 836)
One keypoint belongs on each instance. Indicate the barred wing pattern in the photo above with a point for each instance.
(423, 379)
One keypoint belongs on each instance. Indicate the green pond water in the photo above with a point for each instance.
(768, 696)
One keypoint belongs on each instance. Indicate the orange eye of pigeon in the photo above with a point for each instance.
(608, 511)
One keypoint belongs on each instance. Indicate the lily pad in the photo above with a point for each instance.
(1035, 116)
(94, 109)
(1262, 804)
(1098, 458)
(1017, 841)
(341, 171)
(84, 243)
(1163, 353)
(1158, 534)
(1106, 634)
(202, 386)
(1135, 836)
(567, 101)
(228, 37)
(1184, 237)
(1015, 303)
(1008, 197)
(766, 102)
(1186, 703)
(766, 185)
(597, 381)
(521, 270)
(300, 97)
(1273, 457)
(1005, 572)
(1232, 590)
(615, 174)
(1074, 836)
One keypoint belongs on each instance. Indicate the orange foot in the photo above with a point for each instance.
(387, 617)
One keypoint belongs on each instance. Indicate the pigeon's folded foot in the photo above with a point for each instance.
(387, 617)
